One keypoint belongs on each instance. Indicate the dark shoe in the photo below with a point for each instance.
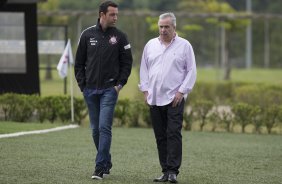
(107, 170)
(98, 174)
(162, 178)
(172, 178)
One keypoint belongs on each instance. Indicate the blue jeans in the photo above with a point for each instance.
(101, 105)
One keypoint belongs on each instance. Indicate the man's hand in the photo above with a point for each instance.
(145, 96)
(177, 99)
(118, 88)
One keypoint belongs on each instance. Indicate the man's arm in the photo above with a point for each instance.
(191, 75)
(79, 66)
(144, 76)
(125, 60)
(144, 72)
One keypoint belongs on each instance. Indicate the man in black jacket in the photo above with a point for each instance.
(102, 66)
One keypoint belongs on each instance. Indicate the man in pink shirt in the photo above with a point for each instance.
(167, 76)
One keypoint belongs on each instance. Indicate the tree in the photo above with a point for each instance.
(227, 25)
(79, 5)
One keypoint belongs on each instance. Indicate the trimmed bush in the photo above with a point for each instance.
(17, 107)
(201, 110)
(258, 104)
(22, 108)
(243, 114)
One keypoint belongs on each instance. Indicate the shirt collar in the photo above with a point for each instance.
(172, 40)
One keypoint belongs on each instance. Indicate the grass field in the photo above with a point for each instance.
(12, 127)
(268, 76)
(273, 76)
(208, 158)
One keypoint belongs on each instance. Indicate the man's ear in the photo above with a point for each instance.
(102, 13)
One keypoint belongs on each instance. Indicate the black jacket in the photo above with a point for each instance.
(103, 59)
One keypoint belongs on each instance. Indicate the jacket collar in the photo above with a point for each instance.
(99, 27)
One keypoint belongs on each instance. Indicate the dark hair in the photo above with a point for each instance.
(104, 6)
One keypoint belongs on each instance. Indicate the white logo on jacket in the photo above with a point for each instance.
(113, 40)
(93, 41)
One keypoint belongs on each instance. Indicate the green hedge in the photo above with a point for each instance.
(23, 108)
(237, 104)
(223, 105)
(230, 92)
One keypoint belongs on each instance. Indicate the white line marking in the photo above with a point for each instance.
(38, 131)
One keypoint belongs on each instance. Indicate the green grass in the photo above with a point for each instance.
(270, 76)
(56, 86)
(208, 158)
(12, 127)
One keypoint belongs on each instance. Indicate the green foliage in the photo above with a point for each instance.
(121, 110)
(202, 91)
(243, 114)
(79, 5)
(208, 6)
(280, 113)
(22, 108)
(80, 112)
(192, 27)
(64, 109)
(213, 6)
(271, 116)
(201, 110)
(50, 108)
(259, 105)
(257, 118)
(135, 113)
(222, 115)
(261, 95)
(188, 118)
(132, 113)
(17, 107)
(229, 25)
(4, 105)
(51, 5)
(217, 92)
(153, 23)
(42, 109)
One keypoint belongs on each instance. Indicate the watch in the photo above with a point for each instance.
(119, 86)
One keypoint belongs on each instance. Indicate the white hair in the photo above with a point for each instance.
(171, 15)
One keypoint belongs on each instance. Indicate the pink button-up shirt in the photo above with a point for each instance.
(166, 70)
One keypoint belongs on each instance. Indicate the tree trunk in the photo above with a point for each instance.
(243, 128)
(227, 65)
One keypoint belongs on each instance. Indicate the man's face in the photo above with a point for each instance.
(166, 29)
(110, 18)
